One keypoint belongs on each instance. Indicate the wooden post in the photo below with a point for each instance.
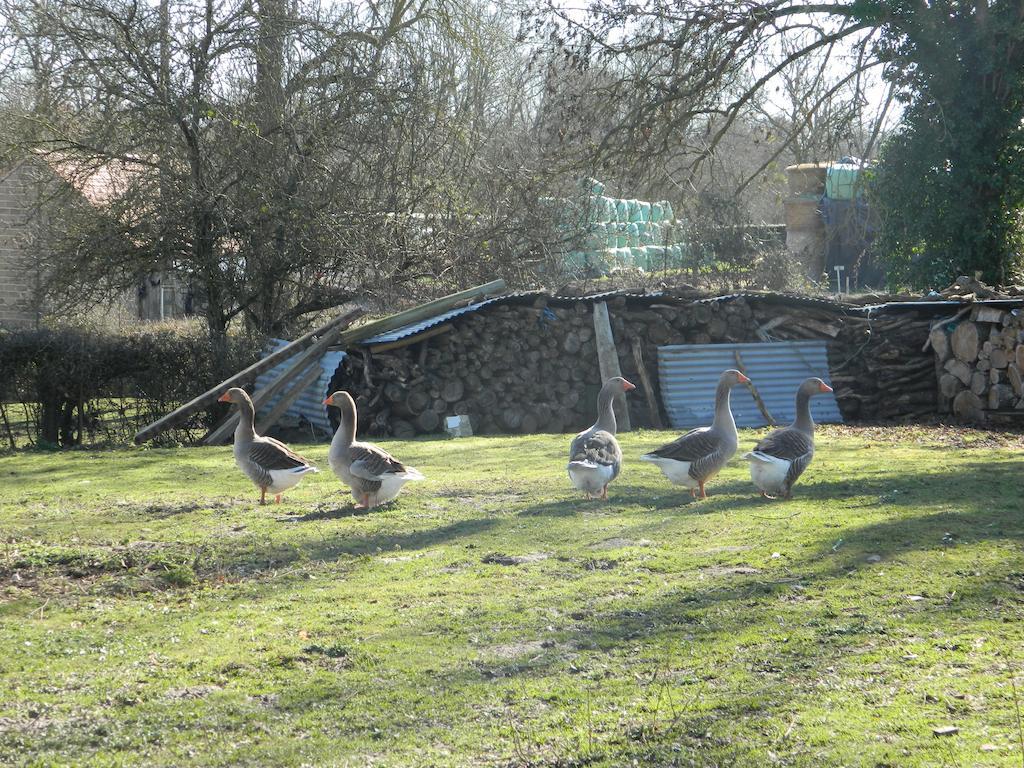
(608, 360)
(645, 380)
(210, 396)
(308, 357)
(345, 339)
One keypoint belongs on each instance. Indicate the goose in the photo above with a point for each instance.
(691, 460)
(781, 457)
(373, 474)
(269, 463)
(595, 457)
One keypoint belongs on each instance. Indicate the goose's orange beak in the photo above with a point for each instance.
(224, 398)
(744, 379)
(626, 386)
(825, 387)
(327, 401)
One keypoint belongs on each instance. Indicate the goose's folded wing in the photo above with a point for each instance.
(273, 454)
(372, 463)
(790, 444)
(693, 446)
(599, 447)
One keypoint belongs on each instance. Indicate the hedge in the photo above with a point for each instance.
(85, 385)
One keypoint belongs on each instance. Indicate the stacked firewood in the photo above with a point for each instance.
(510, 368)
(981, 358)
(880, 371)
(533, 368)
(514, 368)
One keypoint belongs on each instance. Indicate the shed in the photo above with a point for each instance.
(689, 374)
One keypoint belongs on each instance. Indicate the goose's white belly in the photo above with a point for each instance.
(283, 479)
(677, 472)
(590, 477)
(768, 472)
(390, 485)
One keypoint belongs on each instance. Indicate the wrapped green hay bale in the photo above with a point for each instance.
(645, 211)
(622, 211)
(647, 234)
(657, 211)
(604, 209)
(593, 186)
(611, 235)
(639, 257)
(669, 214)
(595, 240)
(633, 207)
(632, 234)
(621, 237)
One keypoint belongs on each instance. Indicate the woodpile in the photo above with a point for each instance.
(533, 366)
(527, 368)
(880, 371)
(979, 354)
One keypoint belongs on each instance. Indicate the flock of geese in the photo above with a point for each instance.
(595, 457)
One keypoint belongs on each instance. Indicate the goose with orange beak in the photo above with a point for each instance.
(373, 474)
(595, 457)
(781, 457)
(691, 460)
(269, 463)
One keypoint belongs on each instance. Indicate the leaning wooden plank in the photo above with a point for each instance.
(430, 333)
(645, 380)
(210, 396)
(346, 339)
(283, 404)
(608, 359)
(297, 367)
(758, 400)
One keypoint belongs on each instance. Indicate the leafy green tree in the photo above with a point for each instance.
(951, 179)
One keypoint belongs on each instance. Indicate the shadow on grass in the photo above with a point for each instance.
(244, 559)
(722, 497)
(338, 513)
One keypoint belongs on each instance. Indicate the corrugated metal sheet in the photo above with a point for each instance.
(941, 306)
(511, 298)
(310, 404)
(786, 300)
(689, 374)
(413, 328)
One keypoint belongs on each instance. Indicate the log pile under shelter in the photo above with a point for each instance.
(533, 362)
(529, 362)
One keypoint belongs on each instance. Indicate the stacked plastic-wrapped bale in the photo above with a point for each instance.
(624, 233)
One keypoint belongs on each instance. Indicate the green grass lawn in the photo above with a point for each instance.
(152, 613)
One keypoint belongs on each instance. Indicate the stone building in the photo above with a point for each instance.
(19, 266)
(23, 236)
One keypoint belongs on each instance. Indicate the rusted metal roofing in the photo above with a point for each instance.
(689, 373)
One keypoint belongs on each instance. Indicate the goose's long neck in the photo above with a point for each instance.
(346, 434)
(803, 421)
(605, 412)
(245, 432)
(723, 411)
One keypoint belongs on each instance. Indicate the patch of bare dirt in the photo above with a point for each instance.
(730, 570)
(500, 558)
